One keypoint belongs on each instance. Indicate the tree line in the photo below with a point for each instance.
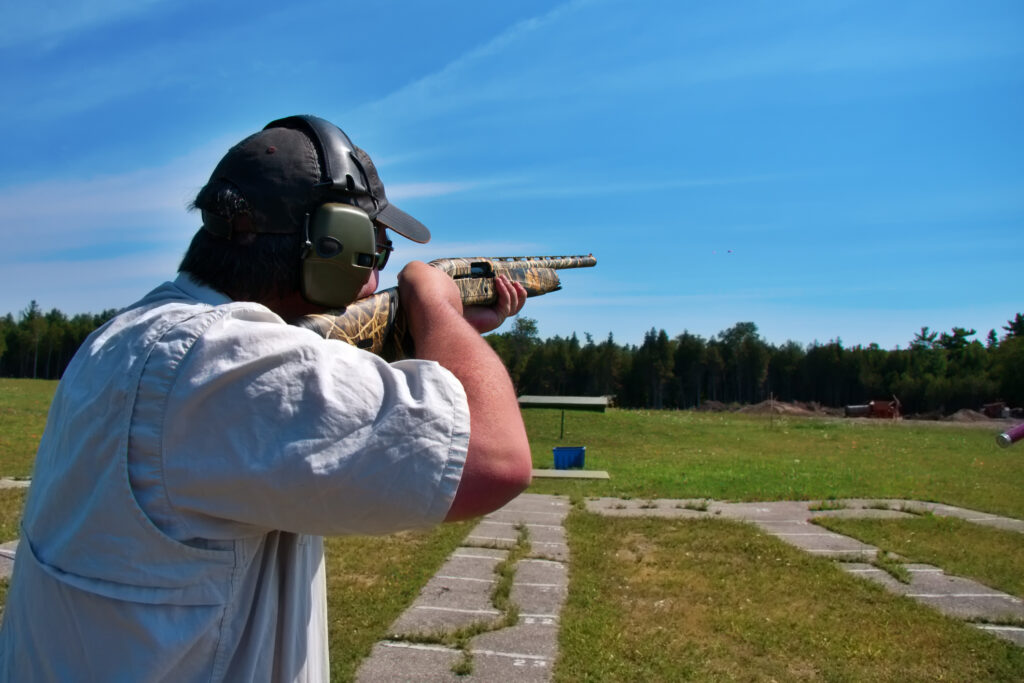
(40, 345)
(937, 372)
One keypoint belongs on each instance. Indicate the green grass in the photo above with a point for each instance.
(671, 600)
(748, 457)
(12, 501)
(23, 407)
(994, 557)
(892, 565)
(703, 600)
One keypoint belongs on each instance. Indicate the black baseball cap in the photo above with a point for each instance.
(292, 166)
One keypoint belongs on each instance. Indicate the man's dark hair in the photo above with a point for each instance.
(248, 266)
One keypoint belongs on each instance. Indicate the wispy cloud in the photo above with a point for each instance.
(556, 186)
(400, 191)
(48, 22)
(455, 85)
(679, 51)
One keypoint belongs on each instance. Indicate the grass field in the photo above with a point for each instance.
(727, 456)
(713, 600)
(23, 408)
(662, 600)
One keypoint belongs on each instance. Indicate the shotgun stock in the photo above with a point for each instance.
(377, 323)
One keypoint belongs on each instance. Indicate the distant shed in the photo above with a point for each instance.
(596, 404)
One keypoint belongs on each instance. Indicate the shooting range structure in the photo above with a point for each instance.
(597, 404)
(567, 457)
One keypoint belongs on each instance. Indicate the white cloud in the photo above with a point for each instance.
(453, 86)
(575, 55)
(48, 21)
(399, 191)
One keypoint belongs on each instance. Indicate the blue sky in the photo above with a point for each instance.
(849, 170)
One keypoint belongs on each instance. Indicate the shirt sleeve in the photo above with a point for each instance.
(268, 426)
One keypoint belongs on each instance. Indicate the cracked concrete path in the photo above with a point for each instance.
(501, 647)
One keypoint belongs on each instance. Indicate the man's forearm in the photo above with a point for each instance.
(498, 463)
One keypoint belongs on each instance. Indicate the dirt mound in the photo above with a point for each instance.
(968, 415)
(776, 407)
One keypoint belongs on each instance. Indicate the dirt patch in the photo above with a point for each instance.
(778, 408)
(968, 415)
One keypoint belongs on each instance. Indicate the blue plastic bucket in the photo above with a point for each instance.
(569, 456)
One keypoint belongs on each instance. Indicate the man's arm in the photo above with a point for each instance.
(498, 464)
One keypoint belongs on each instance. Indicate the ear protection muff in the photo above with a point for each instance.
(341, 240)
(339, 255)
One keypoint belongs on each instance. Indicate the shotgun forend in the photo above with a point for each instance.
(377, 324)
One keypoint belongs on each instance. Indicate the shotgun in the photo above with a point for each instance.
(377, 324)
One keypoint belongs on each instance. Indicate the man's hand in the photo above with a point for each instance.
(511, 297)
(498, 463)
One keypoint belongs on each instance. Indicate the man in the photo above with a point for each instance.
(198, 447)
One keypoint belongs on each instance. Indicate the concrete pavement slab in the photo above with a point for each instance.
(862, 513)
(412, 662)
(539, 599)
(531, 636)
(1014, 634)
(818, 541)
(537, 516)
(509, 667)
(571, 474)
(533, 570)
(460, 595)
(942, 510)
(960, 597)
(7, 552)
(544, 534)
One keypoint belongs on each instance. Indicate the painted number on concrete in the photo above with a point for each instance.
(536, 663)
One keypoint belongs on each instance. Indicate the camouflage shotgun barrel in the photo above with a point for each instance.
(377, 324)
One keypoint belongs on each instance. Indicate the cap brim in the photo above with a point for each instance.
(405, 225)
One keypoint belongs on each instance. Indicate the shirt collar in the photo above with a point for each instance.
(199, 291)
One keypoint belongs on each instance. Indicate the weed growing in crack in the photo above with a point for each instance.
(830, 504)
(891, 565)
(999, 621)
(501, 600)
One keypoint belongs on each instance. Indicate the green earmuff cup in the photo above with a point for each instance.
(340, 256)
